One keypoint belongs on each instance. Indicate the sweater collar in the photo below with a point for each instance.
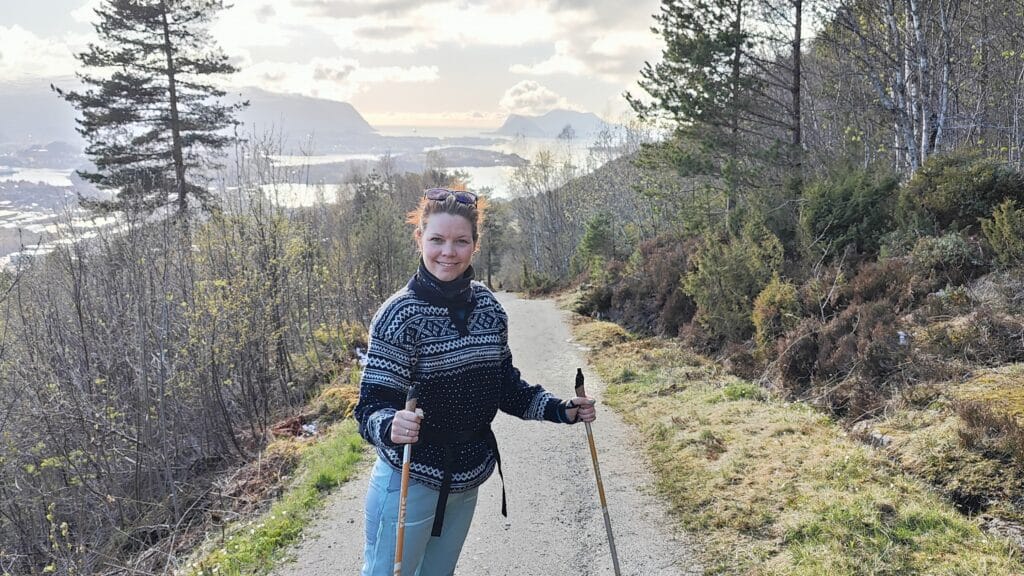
(456, 295)
(441, 292)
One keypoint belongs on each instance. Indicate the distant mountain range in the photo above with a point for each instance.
(31, 113)
(554, 124)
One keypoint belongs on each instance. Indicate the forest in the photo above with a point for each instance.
(837, 216)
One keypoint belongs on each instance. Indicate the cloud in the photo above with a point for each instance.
(408, 26)
(381, 74)
(564, 61)
(25, 55)
(531, 99)
(355, 8)
(586, 34)
(385, 33)
(619, 43)
(331, 78)
(265, 12)
(340, 49)
(86, 13)
(331, 73)
(269, 24)
(615, 56)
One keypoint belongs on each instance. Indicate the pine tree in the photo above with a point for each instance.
(703, 77)
(727, 66)
(729, 84)
(151, 117)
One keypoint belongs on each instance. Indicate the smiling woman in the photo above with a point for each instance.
(443, 340)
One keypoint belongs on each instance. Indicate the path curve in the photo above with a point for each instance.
(555, 525)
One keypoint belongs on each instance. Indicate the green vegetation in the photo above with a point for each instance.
(770, 487)
(850, 208)
(253, 546)
(954, 191)
(728, 275)
(776, 311)
(820, 214)
(1005, 234)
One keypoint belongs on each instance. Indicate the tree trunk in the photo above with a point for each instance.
(795, 91)
(172, 93)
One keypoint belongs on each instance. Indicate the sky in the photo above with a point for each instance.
(458, 63)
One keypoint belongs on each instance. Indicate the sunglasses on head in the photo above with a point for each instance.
(442, 194)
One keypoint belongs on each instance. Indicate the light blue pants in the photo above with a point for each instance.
(422, 555)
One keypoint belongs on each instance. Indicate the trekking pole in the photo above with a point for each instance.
(581, 392)
(410, 405)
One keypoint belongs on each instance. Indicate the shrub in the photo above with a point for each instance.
(797, 357)
(776, 310)
(946, 302)
(883, 280)
(341, 339)
(595, 301)
(1005, 234)
(536, 283)
(852, 207)
(947, 259)
(645, 294)
(954, 191)
(655, 274)
(824, 293)
(728, 275)
(597, 245)
(738, 361)
(336, 402)
(933, 263)
(847, 365)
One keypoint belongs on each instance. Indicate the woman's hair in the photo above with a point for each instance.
(473, 213)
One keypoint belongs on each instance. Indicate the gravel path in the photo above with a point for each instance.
(555, 525)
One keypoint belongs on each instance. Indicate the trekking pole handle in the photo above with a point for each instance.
(581, 390)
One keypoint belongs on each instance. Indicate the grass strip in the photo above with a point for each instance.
(255, 547)
(769, 487)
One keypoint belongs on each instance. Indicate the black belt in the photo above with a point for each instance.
(448, 441)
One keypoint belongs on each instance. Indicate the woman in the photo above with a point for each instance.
(447, 335)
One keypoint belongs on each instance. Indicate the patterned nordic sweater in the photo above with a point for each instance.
(462, 382)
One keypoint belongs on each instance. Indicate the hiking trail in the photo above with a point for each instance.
(555, 524)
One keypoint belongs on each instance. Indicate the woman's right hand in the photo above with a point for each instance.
(405, 427)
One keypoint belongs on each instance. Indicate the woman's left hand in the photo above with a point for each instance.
(580, 410)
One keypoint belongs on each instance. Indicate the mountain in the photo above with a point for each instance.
(298, 118)
(553, 124)
(31, 113)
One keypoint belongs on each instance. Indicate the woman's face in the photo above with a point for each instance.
(447, 245)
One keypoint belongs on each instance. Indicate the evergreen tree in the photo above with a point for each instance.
(701, 77)
(729, 83)
(149, 112)
(702, 85)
